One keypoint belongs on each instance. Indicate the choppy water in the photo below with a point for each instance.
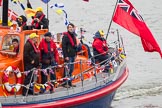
(143, 88)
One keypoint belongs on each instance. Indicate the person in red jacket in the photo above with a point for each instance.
(100, 47)
(49, 56)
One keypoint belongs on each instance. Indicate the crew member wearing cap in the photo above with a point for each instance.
(31, 60)
(40, 20)
(100, 47)
(49, 56)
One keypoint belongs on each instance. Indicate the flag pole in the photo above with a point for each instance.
(111, 19)
(47, 14)
(47, 10)
(5, 13)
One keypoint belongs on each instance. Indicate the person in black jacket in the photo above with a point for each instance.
(31, 60)
(39, 20)
(69, 47)
(21, 21)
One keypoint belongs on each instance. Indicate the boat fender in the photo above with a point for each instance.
(17, 86)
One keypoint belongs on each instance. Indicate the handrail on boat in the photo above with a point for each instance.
(94, 67)
(65, 65)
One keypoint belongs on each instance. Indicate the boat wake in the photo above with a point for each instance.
(139, 91)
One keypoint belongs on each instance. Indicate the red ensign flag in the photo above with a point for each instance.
(129, 18)
(0, 2)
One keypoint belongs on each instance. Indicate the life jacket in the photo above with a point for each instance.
(45, 53)
(37, 23)
(23, 24)
(16, 49)
(102, 46)
(70, 38)
(24, 20)
(43, 46)
(36, 50)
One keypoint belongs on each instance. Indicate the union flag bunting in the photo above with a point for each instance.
(12, 15)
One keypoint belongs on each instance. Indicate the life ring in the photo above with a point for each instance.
(12, 88)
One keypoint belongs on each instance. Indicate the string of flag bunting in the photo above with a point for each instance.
(31, 12)
(49, 85)
(59, 10)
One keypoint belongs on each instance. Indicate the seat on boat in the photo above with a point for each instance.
(84, 51)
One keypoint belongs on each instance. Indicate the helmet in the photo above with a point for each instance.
(39, 9)
(33, 35)
(101, 32)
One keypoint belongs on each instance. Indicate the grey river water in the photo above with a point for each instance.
(143, 88)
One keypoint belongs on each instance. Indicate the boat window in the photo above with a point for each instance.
(9, 45)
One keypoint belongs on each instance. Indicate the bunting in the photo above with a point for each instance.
(60, 10)
(30, 12)
(18, 2)
(22, 6)
(12, 15)
(14, 1)
(59, 5)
